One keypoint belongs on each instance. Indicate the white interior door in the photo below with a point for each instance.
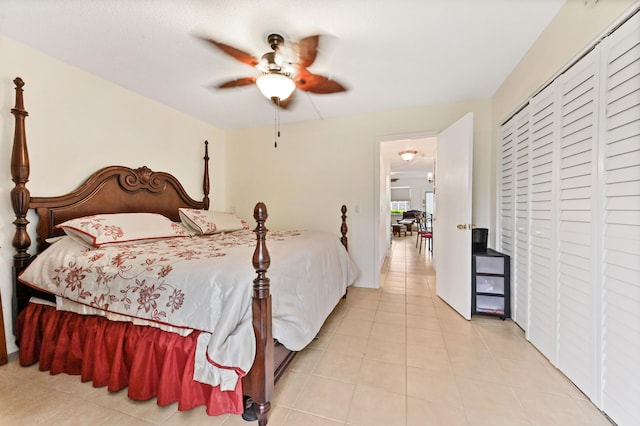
(620, 150)
(452, 226)
(522, 206)
(542, 321)
(507, 149)
(577, 237)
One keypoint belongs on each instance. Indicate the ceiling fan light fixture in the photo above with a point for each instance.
(275, 85)
(408, 155)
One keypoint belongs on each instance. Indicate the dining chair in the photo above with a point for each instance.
(425, 234)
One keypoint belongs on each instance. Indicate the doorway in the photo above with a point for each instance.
(394, 172)
(454, 200)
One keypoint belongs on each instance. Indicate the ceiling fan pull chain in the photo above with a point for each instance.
(277, 124)
(276, 132)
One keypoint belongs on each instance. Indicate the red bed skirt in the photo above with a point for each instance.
(149, 361)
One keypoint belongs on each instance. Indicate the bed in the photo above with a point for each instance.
(81, 306)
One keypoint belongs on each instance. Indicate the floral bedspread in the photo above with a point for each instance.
(204, 283)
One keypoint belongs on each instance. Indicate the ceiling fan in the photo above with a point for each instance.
(283, 69)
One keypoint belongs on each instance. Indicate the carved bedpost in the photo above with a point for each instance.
(4, 356)
(20, 196)
(20, 176)
(343, 231)
(343, 228)
(205, 183)
(262, 372)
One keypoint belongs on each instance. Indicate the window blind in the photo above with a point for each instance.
(401, 193)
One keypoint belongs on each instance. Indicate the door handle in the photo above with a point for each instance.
(462, 226)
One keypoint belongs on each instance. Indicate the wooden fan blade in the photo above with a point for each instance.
(237, 54)
(308, 50)
(315, 83)
(244, 81)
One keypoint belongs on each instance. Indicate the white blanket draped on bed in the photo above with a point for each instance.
(204, 283)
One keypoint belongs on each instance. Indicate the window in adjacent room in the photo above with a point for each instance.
(398, 207)
(429, 201)
(400, 199)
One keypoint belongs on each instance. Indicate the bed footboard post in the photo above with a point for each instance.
(4, 356)
(343, 228)
(205, 179)
(261, 376)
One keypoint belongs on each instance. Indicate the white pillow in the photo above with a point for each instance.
(206, 222)
(102, 229)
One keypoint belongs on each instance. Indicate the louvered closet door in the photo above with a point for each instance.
(542, 293)
(520, 258)
(506, 187)
(620, 136)
(577, 284)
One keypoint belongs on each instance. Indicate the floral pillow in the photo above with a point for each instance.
(206, 222)
(102, 229)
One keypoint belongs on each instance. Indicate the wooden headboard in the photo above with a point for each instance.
(113, 189)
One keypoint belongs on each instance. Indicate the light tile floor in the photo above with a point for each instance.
(393, 356)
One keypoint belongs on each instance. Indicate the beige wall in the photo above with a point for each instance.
(320, 165)
(573, 29)
(78, 123)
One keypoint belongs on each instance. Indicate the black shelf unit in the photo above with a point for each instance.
(490, 283)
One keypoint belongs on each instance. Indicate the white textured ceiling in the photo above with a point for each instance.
(390, 54)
